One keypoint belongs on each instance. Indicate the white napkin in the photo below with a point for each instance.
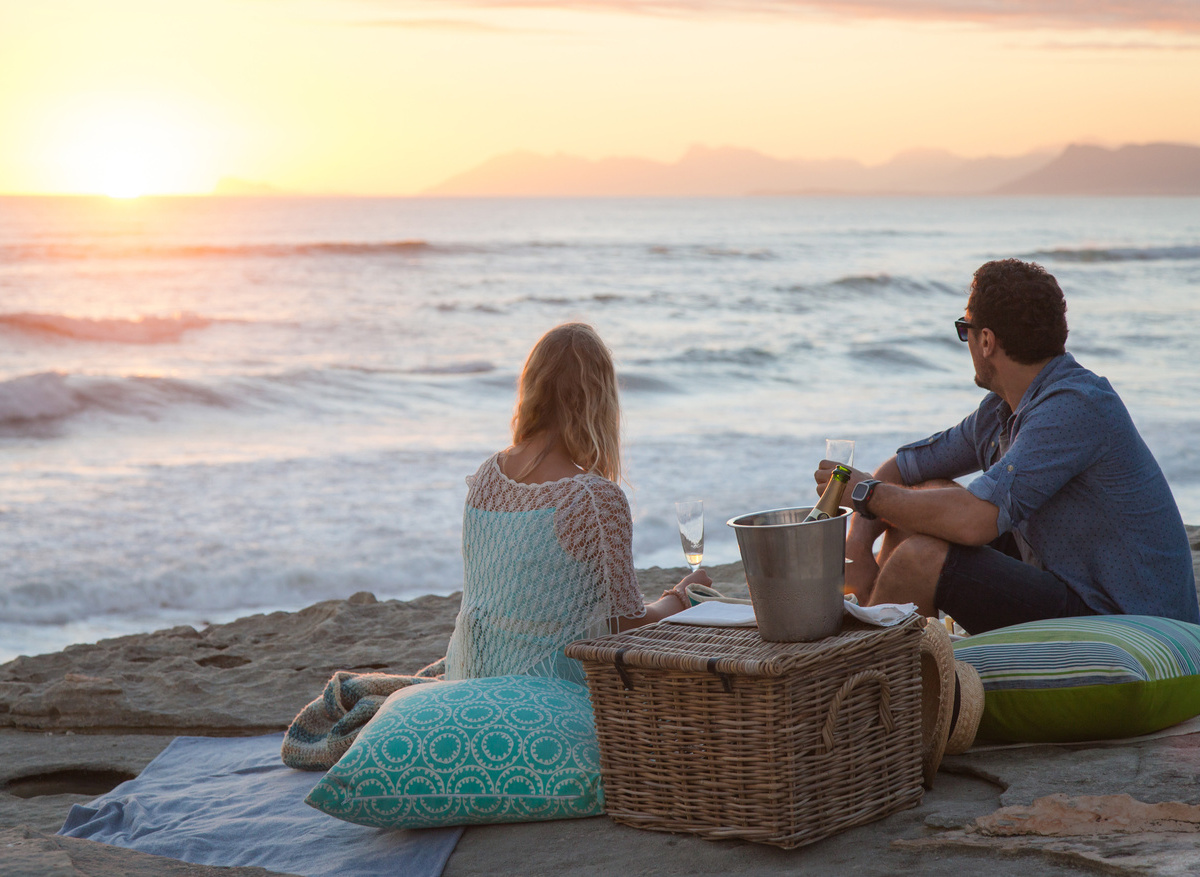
(714, 614)
(883, 615)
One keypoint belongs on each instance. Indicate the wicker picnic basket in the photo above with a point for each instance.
(714, 732)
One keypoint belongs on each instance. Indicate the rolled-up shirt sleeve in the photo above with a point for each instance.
(947, 454)
(1060, 438)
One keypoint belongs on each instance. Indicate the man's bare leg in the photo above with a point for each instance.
(863, 568)
(863, 573)
(911, 573)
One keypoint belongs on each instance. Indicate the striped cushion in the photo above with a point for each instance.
(1092, 678)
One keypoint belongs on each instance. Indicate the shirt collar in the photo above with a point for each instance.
(1049, 373)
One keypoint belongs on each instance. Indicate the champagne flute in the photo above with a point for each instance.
(840, 451)
(690, 515)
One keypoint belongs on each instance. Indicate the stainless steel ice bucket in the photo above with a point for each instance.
(796, 572)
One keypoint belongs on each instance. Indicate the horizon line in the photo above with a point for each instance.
(267, 190)
(283, 196)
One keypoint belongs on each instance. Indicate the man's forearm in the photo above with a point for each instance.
(948, 513)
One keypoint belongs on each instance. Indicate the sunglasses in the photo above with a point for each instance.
(961, 326)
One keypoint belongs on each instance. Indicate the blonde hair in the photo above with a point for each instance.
(568, 390)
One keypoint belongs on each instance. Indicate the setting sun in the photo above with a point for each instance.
(123, 164)
(124, 152)
(122, 147)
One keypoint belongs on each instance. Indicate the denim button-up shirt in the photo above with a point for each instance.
(1075, 482)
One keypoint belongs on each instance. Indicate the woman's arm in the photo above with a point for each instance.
(672, 601)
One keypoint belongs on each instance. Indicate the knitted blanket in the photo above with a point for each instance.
(323, 731)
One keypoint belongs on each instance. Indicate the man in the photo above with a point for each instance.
(1071, 514)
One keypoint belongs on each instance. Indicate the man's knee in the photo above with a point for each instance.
(912, 571)
(920, 555)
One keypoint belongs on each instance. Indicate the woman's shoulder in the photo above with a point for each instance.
(596, 491)
(599, 485)
(488, 468)
(587, 488)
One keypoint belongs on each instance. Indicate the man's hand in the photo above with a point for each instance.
(860, 539)
(825, 472)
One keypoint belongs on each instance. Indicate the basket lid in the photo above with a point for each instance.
(735, 651)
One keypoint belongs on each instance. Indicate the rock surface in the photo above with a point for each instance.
(250, 676)
(75, 723)
(1060, 816)
(28, 853)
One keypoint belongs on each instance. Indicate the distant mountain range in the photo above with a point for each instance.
(1152, 169)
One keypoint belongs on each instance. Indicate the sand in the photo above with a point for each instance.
(75, 723)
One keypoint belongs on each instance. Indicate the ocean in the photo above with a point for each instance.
(211, 407)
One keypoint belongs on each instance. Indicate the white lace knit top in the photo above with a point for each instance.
(544, 565)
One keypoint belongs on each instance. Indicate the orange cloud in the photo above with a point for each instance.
(1118, 46)
(1177, 15)
(446, 24)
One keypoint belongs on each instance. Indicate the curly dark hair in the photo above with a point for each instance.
(1022, 304)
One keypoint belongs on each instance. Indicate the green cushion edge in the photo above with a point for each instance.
(1087, 712)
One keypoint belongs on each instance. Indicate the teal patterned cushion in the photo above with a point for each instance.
(1093, 678)
(470, 752)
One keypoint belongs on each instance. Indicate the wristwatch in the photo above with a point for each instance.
(861, 496)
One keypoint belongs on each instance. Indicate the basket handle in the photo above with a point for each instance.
(885, 703)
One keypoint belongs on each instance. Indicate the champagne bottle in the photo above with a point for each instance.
(831, 500)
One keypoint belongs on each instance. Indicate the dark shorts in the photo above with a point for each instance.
(989, 586)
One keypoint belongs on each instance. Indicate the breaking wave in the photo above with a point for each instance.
(891, 358)
(30, 402)
(37, 397)
(138, 330)
(69, 252)
(641, 383)
(1118, 254)
(876, 283)
(471, 367)
(739, 356)
(48, 396)
(711, 252)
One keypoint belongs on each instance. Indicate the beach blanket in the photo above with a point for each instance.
(323, 731)
(230, 801)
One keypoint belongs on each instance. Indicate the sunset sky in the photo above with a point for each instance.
(381, 97)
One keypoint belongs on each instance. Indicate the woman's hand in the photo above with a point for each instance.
(699, 577)
(673, 600)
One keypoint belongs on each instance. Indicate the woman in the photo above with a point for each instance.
(547, 534)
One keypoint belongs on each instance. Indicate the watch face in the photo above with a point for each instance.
(861, 495)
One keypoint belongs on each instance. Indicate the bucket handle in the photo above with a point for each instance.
(885, 704)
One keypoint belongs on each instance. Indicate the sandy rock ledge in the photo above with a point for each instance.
(75, 723)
